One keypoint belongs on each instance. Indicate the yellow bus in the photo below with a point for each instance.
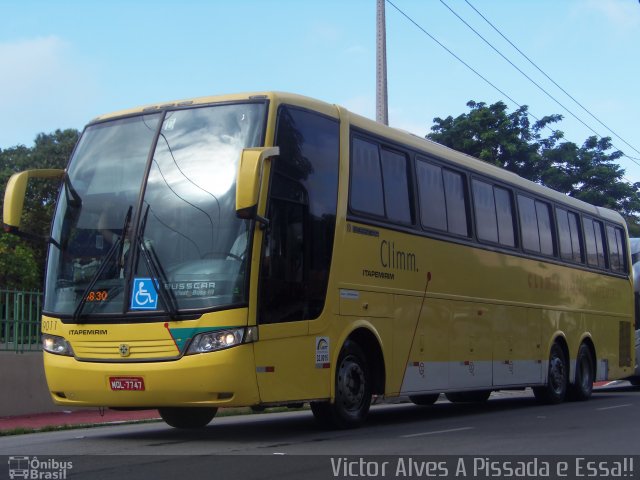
(270, 249)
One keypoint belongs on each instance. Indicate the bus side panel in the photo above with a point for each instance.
(286, 363)
(470, 345)
(427, 368)
(613, 340)
(517, 349)
(404, 334)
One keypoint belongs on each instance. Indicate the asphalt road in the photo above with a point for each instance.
(262, 446)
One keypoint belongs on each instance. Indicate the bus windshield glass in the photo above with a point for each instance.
(146, 220)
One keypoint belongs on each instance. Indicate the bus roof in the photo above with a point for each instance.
(395, 135)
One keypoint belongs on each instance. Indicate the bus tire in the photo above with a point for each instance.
(585, 374)
(555, 391)
(353, 391)
(424, 400)
(187, 417)
(477, 396)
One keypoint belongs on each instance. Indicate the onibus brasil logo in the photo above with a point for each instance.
(34, 468)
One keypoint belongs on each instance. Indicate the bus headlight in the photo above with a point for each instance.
(221, 339)
(56, 345)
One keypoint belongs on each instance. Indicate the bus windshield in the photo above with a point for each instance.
(146, 217)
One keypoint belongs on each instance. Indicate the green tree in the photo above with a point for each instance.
(505, 140)
(49, 151)
(19, 268)
(511, 141)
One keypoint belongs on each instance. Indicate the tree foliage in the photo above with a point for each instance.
(22, 263)
(513, 142)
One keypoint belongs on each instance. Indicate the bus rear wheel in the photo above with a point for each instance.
(555, 391)
(187, 417)
(585, 374)
(353, 391)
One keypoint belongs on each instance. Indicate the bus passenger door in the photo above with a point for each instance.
(296, 256)
(284, 350)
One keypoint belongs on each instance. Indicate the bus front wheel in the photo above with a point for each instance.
(187, 417)
(557, 385)
(353, 391)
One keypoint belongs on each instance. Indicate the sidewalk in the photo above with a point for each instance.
(48, 421)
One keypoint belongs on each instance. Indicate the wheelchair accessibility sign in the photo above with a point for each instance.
(144, 295)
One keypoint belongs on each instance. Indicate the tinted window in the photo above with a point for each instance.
(442, 198)
(494, 213)
(433, 212)
(366, 178)
(576, 244)
(504, 211)
(620, 236)
(485, 210)
(590, 242)
(396, 186)
(594, 241)
(600, 243)
(302, 211)
(535, 222)
(617, 257)
(564, 235)
(454, 188)
(569, 236)
(529, 224)
(544, 228)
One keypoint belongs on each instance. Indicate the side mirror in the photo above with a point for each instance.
(249, 179)
(15, 193)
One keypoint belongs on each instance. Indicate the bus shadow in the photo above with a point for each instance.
(497, 403)
(268, 431)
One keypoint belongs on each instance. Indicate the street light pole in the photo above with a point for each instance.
(382, 110)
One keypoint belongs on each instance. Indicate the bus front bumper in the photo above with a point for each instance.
(218, 379)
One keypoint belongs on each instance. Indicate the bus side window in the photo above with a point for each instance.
(568, 236)
(455, 194)
(594, 236)
(616, 249)
(494, 213)
(396, 187)
(537, 228)
(485, 209)
(432, 195)
(543, 214)
(366, 193)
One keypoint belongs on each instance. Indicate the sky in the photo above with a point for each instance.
(65, 62)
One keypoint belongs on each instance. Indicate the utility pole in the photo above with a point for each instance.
(382, 109)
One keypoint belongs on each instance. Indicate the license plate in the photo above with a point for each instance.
(135, 384)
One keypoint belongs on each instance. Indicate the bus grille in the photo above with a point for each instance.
(124, 351)
(624, 353)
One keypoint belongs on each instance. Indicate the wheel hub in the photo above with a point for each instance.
(351, 384)
(557, 375)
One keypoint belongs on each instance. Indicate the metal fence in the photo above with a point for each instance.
(20, 320)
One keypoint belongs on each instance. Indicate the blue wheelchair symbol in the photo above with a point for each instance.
(144, 295)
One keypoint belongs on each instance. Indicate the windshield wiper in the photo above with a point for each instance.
(155, 268)
(116, 247)
(73, 199)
